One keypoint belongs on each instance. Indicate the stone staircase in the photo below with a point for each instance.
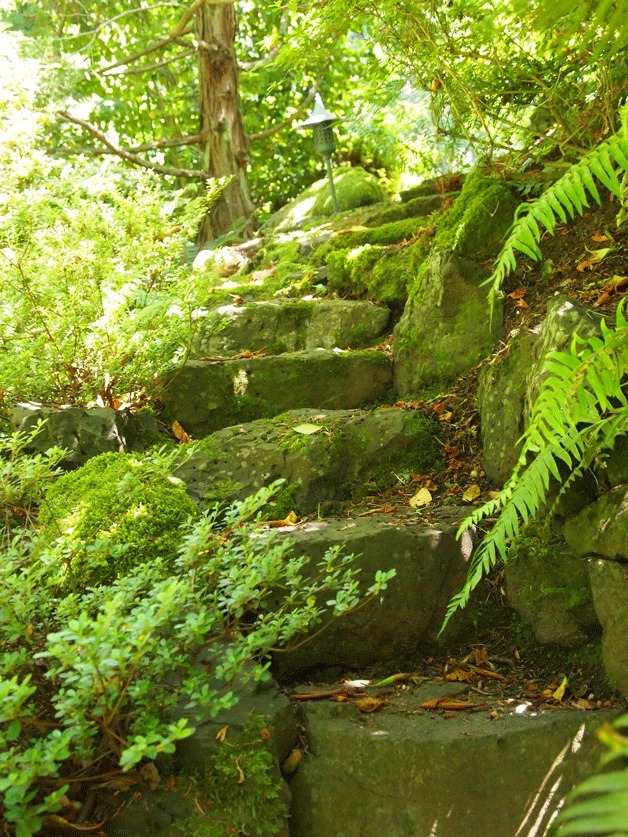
(311, 417)
(297, 391)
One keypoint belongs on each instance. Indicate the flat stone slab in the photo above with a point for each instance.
(206, 396)
(403, 771)
(279, 326)
(430, 566)
(84, 432)
(349, 453)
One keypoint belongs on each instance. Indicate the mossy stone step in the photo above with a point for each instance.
(342, 454)
(405, 771)
(205, 396)
(279, 326)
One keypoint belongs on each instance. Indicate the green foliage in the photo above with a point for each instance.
(484, 70)
(114, 513)
(242, 788)
(565, 197)
(23, 479)
(97, 661)
(599, 805)
(580, 411)
(96, 293)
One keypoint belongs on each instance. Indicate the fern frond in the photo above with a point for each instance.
(580, 411)
(567, 196)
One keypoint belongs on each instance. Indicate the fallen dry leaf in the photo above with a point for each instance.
(148, 773)
(290, 764)
(461, 675)
(179, 433)
(289, 520)
(477, 656)
(594, 257)
(559, 694)
(222, 733)
(423, 497)
(472, 493)
(447, 704)
(370, 704)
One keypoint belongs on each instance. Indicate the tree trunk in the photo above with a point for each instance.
(223, 143)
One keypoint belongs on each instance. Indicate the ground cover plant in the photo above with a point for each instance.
(79, 671)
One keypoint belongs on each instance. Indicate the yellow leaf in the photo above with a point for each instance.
(179, 433)
(290, 764)
(559, 694)
(422, 498)
(471, 494)
(370, 704)
(222, 733)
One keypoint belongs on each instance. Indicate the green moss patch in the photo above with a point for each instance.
(354, 188)
(476, 226)
(125, 500)
(382, 274)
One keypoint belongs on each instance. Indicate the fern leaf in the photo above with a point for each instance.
(566, 197)
(580, 411)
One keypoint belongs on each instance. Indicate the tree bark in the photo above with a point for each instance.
(223, 141)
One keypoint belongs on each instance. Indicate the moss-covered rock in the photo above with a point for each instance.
(354, 188)
(205, 396)
(124, 500)
(477, 225)
(394, 232)
(419, 207)
(548, 586)
(377, 273)
(446, 325)
(341, 454)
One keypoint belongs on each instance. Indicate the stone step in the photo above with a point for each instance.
(404, 771)
(205, 396)
(430, 566)
(352, 452)
(279, 326)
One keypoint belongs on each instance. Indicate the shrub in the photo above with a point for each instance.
(82, 676)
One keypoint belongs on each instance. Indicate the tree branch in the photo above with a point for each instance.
(129, 156)
(146, 51)
(268, 132)
(146, 68)
(247, 66)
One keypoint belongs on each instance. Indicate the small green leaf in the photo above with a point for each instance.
(307, 429)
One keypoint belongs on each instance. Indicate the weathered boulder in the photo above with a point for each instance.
(430, 566)
(609, 584)
(83, 432)
(354, 186)
(601, 528)
(501, 395)
(433, 186)
(509, 387)
(378, 272)
(288, 326)
(401, 771)
(565, 317)
(418, 206)
(205, 396)
(353, 451)
(446, 325)
(548, 585)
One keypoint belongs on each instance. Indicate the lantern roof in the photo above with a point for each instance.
(320, 115)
